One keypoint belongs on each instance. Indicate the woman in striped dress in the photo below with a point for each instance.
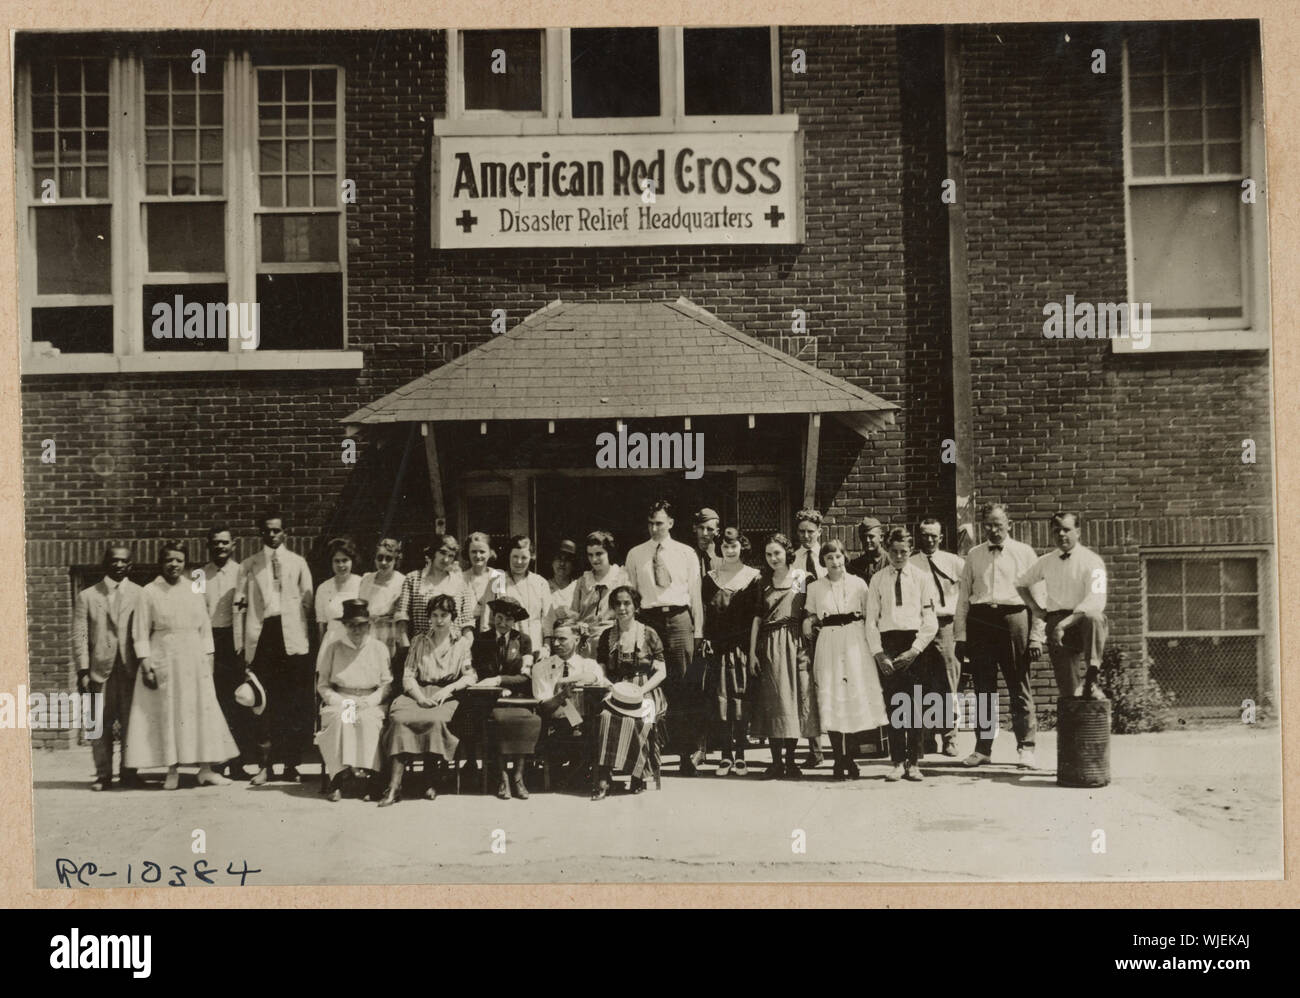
(630, 652)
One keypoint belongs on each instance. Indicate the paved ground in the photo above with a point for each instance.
(1192, 804)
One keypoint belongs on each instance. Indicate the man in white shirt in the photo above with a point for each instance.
(220, 575)
(945, 569)
(555, 676)
(1073, 608)
(666, 573)
(901, 625)
(272, 597)
(992, 625)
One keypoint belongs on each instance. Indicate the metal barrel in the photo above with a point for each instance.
(1082, 742)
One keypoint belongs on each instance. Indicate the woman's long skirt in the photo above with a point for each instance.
(417, 730)
(349, 736)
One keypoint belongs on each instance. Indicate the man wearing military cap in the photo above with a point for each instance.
(872, 559)
(706, 540)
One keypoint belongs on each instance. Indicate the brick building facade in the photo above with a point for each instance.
(1147, 446)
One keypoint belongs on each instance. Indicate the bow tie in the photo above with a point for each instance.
(995, 547)
(1065, 555)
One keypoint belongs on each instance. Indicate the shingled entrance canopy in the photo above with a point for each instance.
(632, 360)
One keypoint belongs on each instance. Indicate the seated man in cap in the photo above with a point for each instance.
(353, 678)
(872, 536)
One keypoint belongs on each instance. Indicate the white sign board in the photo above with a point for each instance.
(617, 190)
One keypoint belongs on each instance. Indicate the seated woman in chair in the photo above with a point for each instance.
(352, 678)
(420, 721)
(503, 657)
(632, 656)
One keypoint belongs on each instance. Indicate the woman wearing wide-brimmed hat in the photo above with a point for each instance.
(420, 721)
(352, 678)
(633, 659)
(503, 657)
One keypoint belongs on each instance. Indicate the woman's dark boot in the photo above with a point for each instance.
(517, 779)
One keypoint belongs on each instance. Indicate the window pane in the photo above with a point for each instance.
(1148, 162)
(300, 238)
(1187, 249)
(324, 191)
(269, 122)
(1224, 157)
(189, 238)
(43, 77)
(155, 110)
(40, 176)
(1203, 613)
(323, 84)
(156, 179)
(614, 72)
(210, 110)
(296, 156)
(184, 180)
(1223, 123)
(322, 155)
(295, 119)
(519, 86)
(323, 124)
(42, 147)
(272, 191)
(161, 316)
(210, 144)
(82, 329)
(156, 146)
(95, 75)
(1206, 671)
(298, 191)
(270, 156)
(301, 311)
(1239, 575)
(210, 180)
(1146, 92)
(1147, 126)
(183, 112)
(297, 85)
(73, 250)
(269, 86)
(1240, 613)
(1202, 577)
(1184, 160)
(1164, 576)
(97, 182)
(185, 145)
(42, 112)
(69, 112)
(728, 70)
(1185, 126)
(70, 183)
(97, 112)
(1165, 613)
(97, 147)
(156, 76)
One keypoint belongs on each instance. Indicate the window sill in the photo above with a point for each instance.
(235, 360)
(506, 124)
(1167, 341)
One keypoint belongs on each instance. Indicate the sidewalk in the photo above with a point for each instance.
(1182, 805)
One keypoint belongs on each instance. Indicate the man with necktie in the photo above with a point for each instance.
(901, 626)
(1073, 608)
(945, 569)
(273, 592)
(871, 535)
(105, 657)
(666, 574)
(992, 625)
(706, 523)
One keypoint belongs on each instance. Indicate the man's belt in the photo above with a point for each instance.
(840, 619)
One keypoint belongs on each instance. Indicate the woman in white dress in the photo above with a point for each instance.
(380, 589)
(332, 592)
(352, 679)
(175, 718)
(848, 690)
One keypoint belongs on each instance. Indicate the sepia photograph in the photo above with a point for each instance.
(647, 455)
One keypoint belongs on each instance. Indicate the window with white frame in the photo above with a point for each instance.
(1192, 149)
(576, 79)
(217, 184)
(1204, 615)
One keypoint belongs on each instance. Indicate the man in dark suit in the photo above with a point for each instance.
(105, 656)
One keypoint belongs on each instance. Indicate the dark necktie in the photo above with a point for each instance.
(662, 578)
(275, 569)
(600, 594)
(704, 564)
(898, 587)
(808, 560)
(501, 652)
(938, 577)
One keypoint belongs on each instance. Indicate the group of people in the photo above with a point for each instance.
(604, 671)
